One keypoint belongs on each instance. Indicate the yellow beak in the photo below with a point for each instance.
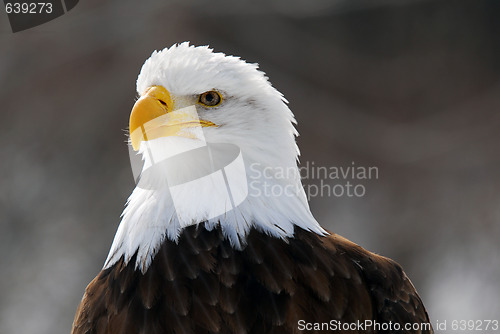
(154, 116)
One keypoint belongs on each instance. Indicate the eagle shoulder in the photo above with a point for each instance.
(394, 297)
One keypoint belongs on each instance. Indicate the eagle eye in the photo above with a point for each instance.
(210, 98)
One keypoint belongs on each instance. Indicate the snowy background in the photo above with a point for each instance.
(411, 87)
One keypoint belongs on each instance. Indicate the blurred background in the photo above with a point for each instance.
(411, 87)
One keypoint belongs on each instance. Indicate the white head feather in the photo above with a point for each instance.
(253, 116)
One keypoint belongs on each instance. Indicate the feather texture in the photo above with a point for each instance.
(201, 285)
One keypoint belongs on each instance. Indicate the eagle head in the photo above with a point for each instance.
(217, 142)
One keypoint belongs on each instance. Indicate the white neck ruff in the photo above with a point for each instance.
(269, 198)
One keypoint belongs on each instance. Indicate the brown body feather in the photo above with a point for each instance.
(203, 285)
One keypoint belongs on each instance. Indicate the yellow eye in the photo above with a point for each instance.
(210, 98)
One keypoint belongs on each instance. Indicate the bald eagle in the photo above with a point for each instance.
(203, 245)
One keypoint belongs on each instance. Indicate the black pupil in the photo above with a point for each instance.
(210, 98)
